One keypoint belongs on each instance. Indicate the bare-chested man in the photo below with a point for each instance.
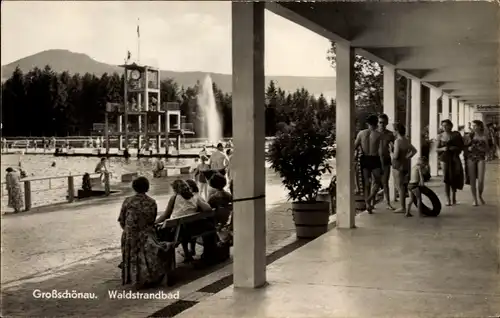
(369, 140)
(386, 142)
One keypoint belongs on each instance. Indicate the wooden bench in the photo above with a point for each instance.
(178, 223)
(95, 181)
(160, 174)
(129, 177)
(182, 169)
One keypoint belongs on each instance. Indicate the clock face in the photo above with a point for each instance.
(135, 74)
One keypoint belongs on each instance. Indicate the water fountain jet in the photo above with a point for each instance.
(212, 123)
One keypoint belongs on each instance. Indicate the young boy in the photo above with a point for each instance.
(417, 180)
(201, 178)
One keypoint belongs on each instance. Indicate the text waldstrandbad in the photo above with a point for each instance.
(115, 294)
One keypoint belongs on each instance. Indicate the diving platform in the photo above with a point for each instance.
(142, 117)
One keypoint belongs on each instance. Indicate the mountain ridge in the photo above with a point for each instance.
(64, 60)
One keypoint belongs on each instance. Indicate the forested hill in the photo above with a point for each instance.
(64, 60)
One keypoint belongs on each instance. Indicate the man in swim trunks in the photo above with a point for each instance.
(386, 142)
(369, 140)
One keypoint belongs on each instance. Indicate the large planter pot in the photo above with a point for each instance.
(325, 196)
(311, 218)
(360, 203)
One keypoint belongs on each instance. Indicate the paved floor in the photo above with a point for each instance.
(389, 266)
(77, 248)
(38, 244)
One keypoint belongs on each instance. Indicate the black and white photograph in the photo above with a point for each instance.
(250, 159)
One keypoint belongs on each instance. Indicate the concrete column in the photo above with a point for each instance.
(467, 118)
(139, 136)
(106, 132)
(433, 130)
(472, 113)
(461, 113)
(454, 112)
(167, 130)
(146, 91)
(416, 118)
(119, 123)
(158, 139)
(390, 101)
(345, 136)
(408, 109)
(167, 123)
(249, 265)
(445, 107)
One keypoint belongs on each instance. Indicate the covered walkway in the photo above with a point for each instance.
(390, 266)
(447, 50)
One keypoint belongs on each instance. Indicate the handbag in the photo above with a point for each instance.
(165, 234)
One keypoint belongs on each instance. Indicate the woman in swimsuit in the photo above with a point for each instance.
(450, 145)
(477, 150)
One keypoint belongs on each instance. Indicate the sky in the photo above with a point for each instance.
(175, 35)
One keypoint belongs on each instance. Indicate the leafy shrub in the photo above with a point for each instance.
(301, 150)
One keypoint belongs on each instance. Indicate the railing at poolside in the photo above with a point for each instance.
(69, 186)
(76, 141)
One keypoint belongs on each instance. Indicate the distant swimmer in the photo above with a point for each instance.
(159, 167)
(126, 154)
(203, 151)
(53, 164)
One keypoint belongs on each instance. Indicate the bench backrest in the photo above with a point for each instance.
(175, 222)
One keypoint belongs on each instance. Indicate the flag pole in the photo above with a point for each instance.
(138, 43)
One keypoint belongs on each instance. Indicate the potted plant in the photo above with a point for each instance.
(299, 154)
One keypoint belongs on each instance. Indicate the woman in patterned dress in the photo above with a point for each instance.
(145, 260)
(15, 193)
(477, 151)
(450, 145)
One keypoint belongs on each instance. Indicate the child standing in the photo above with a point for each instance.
(417, 180)
(201, 178)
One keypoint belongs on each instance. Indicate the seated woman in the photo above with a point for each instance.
(220, 200)
(183, 203)
(196, 192)
(145, 261)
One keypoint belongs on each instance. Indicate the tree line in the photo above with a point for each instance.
(45, 103)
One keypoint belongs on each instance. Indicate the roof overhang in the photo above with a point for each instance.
(452, 45)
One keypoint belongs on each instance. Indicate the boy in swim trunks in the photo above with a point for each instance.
(417, 180)
(369, 141)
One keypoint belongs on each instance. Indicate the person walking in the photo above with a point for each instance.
(450, 145)
(477, 150)
(218, 164)
(201, 178)
(369, 141)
